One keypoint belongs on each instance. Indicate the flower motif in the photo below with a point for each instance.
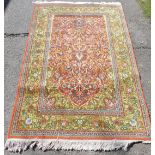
(35, 74)
(64, 123)
(109, 103)
(117, 122)
(130, 108)
(31, 88)
(133, 122)
(28, 121)
(124, 75)
(129, 90)
(124, 65)
(50, 102)
(69, 86)
(80, 121)
(46, 117)
(95, 124)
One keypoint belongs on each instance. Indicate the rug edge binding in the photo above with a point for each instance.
(20, 145)
(61, 2)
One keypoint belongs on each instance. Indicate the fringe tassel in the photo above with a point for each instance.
(20, 145)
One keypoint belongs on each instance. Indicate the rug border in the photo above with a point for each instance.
(133, 54)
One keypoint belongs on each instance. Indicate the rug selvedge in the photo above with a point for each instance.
(128, 120)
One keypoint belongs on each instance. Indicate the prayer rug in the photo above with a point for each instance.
(79, 85)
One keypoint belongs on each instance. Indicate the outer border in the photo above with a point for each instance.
(133, 54)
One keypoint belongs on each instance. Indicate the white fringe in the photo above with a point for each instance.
(20, 145)
(46, 2)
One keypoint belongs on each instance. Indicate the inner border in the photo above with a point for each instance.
(115, 111)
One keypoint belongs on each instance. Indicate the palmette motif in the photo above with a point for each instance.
(80, 78)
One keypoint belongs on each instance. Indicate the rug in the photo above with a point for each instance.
(79, 86)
